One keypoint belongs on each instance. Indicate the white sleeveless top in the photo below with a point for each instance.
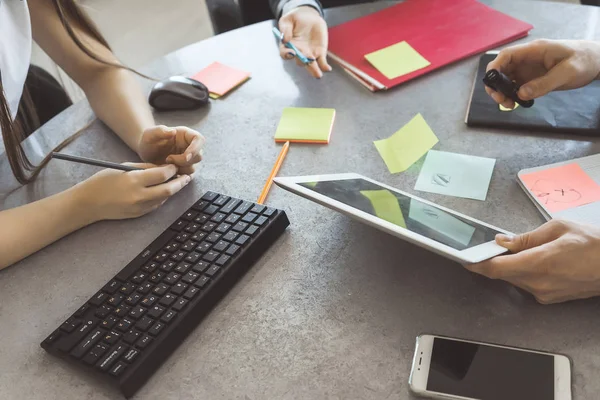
(15, 49)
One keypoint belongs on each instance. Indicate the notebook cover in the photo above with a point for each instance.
(570, 111)
(442, 31)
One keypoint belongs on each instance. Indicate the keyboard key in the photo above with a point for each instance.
(210, 210)
(67, 342)
(224, 227)
(111, 337)
(231, 236)
(210, 196)
(172, 278)
(113, 354)
(168, 266)
(192, 257)
(118, 369)
(151, 266)
(201, 205)
(180, 304)
(240, 226)
(167, 299)
(87, 344)
(97, 352)
(70, 325)
(161, 289)
(124, 325)
(198, 236)
(249, 217)
(149, 301)
(192, 227)
(218, 217)
(182, 237)
(111, 287)
(79, 313)
(210, 256)
(191, 292)
(171, 247)
(221, 246)
(161, 256)
(200, 266)
(122, 311)
(145, 287)
(127, 288)
(202, 282)
(156, 312)
(179, 288)
(232, 249)
(202, 219)
(109, 322)
(222, 260)
(258, 208)
(221, 200)
(189, 245)
(213, 237)
(133, 299)
(190, 215)
(178, 225)
(168, 317)
(137, 312)
(155, 330)
(157, 277)
(232, 219)
(269, 212)
(214, 270)
(252, 229)
(183, 267)
(143, 342)
(132, 336)
(131, 355)
(260, 221)
(209, 226)
(144, 324)
(230, 206)
(190, 277)
(98, 299)
(178, 255)
(243, 208)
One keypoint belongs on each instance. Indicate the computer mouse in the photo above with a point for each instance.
(178, 93)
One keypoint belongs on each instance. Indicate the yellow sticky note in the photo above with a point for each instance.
(397, 60)
(405, 147)
(214, 96)
(502, 108)
(305, 125)
(385, 205)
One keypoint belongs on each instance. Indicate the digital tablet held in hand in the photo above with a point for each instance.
(439, 229)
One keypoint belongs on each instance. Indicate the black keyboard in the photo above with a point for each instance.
(129, 328)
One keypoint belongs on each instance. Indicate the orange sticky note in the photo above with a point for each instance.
(220, 79)
(562, 188)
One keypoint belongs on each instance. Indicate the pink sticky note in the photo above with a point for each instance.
(561, 188)
(220, 79)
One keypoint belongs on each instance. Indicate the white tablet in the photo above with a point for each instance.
(415, 220)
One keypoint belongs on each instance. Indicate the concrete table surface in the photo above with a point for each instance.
(333, 309)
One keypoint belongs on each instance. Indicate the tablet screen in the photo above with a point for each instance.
(405, 212)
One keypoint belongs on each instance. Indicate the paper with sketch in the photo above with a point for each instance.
(456, 175)
(562, 188)
(385, 205)
(441, 222)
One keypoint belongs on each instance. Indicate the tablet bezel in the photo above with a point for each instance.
(471, 255)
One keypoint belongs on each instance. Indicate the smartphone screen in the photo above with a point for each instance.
(488, 372)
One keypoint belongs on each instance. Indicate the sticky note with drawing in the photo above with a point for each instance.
(385, 205)
(441, 222)
(562, 188)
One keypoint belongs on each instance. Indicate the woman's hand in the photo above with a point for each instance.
(112, 194)
(307, 30)
(542, 66)
(557, 262)
(181, 146)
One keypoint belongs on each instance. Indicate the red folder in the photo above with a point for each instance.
(442, 31)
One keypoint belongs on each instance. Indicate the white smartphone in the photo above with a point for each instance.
(449, 368)
(421, 222)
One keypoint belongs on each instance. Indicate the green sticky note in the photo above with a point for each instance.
(385, 205)
(405, 147)
(456, 175)
(397, 60)
(305, 125)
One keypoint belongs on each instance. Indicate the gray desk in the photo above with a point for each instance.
(333, 309)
